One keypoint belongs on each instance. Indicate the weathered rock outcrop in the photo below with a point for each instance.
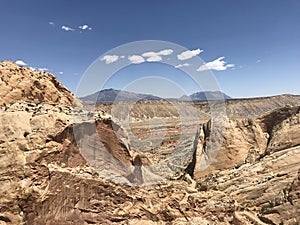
(242, 141)
(283, 127)
(249, 139)
(258, 166)
(266, 189)
(19, 83)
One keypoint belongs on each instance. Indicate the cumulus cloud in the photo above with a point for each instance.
(85, 27)
(218, 64)
(20, 63)
(156, 56)
(182, 65)
(136, 59)
(165, 52)
(110, 59)
(66, 28)
(189, 54)
(149, 54)
(152, 56)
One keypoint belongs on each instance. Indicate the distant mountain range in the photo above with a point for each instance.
(111, 95)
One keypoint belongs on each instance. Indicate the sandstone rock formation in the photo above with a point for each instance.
(60, 165)
(24, 84)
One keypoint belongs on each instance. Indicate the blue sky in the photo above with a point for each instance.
(260, 37)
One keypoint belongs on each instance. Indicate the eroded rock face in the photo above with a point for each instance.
(249, 139)
(265, 189)
(243, 141)
(25, 153)
(258, 166)
(283, 127)
(24, 84)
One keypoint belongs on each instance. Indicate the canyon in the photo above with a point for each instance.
(156, 162)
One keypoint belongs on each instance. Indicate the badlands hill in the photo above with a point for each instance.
(18, 83)
(65, 165)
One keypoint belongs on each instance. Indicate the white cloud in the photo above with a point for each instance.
(42, 69)
(122, 57)
(136, 59)
(149, 54)
(152, 56)
(51, 23)
(165, 52)
(66, 28)
(61, 73)
(20, 63)
(189, 54)
(85, 27)
(182, 65)
(258, 61)
(110, 59)
(218, 64)
(156, 56)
